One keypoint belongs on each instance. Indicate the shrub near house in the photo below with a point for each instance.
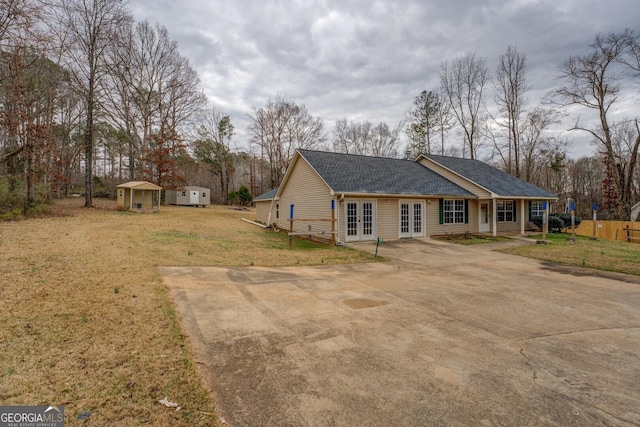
(558, 222)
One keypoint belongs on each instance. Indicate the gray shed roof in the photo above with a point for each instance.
(494, 180)
(266, 196)
(349, 173)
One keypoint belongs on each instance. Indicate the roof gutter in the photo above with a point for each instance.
(405, 196)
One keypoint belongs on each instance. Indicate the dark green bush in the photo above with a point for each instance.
(566, 220)
(557, 222)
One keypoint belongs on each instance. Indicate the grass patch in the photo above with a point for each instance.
(469, 239)
(607, 255)
(85, 320)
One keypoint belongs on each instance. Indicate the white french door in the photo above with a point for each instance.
(360, 220)
(411, 218)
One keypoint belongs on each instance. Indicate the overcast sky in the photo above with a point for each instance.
(365, 59)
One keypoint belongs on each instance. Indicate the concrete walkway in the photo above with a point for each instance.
(442, 335)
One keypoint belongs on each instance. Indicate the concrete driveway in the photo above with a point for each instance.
(442, 335)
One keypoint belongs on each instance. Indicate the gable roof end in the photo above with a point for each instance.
(494, 180)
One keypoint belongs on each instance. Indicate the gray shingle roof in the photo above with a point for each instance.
(266, 196)
(349, 173)
(494, 180)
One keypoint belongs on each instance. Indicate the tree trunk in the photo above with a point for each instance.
(88, 151)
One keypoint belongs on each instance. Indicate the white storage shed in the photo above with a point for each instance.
(188, 196)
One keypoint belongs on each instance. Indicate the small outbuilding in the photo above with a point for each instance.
(267, 208)
(138, 196)
(188, 196)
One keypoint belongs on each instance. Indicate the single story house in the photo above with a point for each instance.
(188, 196)
(138, 196)
(354, 198)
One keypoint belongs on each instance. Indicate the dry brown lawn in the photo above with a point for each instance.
(86, 322)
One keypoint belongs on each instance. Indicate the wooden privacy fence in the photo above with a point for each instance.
(611, 230)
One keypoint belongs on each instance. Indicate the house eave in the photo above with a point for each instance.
(403, 195)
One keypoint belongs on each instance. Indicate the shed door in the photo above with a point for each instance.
(194, 198)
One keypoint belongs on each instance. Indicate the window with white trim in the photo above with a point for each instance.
(535, 209)
(453, 211)
(505, 210)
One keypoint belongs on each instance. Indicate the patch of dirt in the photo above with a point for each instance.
(359, 303)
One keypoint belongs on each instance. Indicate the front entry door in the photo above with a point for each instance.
(411, 219)
(484, 226)
(360, 220)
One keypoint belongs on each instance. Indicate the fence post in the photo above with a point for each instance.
(290, 224)
(595, 219)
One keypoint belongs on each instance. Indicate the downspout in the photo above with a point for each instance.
(338, 201)
(270, 210)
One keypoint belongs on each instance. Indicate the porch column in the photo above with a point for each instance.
(522, 216)
(494, 218)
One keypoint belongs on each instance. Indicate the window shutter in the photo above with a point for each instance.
(515, 216)
(530, 209)
(441, 201)
(466, 211)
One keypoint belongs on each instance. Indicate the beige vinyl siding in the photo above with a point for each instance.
(262, 211)
(388, 219)
(433, 220)
(457, 179)
(474, 216)
(311, 197)
(508, 226)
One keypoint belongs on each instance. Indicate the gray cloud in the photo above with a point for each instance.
(366, 60)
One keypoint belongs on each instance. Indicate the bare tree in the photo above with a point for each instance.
(535, 141)
(511, 86)
(595, 81)
(366, 139)
(17, 23)
(279, 129)
(384, 141)
(586, 175)
(213, 147)
(29, 84)
(463, 85)
(351, 137)
(151, 86)
(88, 29)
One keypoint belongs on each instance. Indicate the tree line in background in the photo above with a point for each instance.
(89, 98)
